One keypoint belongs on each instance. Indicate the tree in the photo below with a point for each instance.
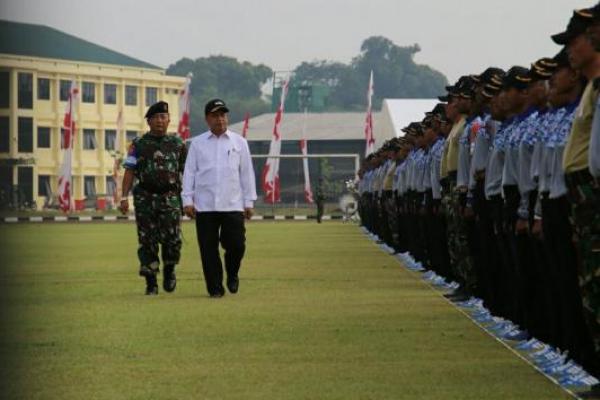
(395, 73)
(238, 84)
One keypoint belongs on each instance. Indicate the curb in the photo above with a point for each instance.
(121, 218)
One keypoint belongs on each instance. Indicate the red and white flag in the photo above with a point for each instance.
(246, 125)
(369, 138)
(308, 195)
(65, 186)
(270, 174)
(120, 131)
(118, 157)
(183, 130)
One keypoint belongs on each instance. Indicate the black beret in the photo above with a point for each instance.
(578, 23)
(157, 108)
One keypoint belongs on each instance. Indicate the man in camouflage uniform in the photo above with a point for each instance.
(156, 160)
(584, 191)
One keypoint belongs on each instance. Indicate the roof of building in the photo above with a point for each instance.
(319, 126)
(42, 41)
(395, 114)
(398, 113)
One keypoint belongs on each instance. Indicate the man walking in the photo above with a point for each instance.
(156, 160)
(219, 191)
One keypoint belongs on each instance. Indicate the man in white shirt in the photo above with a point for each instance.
(219, 190)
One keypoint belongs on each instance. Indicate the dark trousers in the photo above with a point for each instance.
(228, 229)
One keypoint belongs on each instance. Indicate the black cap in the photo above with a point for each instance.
(215, 105)
(427, 121)
(540, 74)
(467, 87)
(545, 63)
(491, 75)
(578, 23)
(517, 77)
(439, 109)
(157, 108)
(414, 128)
(490, 90)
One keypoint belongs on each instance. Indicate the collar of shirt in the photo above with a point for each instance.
(520, 126)
(562, 127)
(533, 127)
(225, 134)
(500, 136)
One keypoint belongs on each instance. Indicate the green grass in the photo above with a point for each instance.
(322, 313)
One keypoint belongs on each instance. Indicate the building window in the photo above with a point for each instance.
(4, 135)
(151, 96)
(65, 88)
(43, 137)
(89, 186)
(62, 138)
(89, 139)
(130, 135)
(25, 183)
(131, 95)
(111, 185)
(25, 98)
(89, 92)
(43, 91)
(110, 137)
(4, 89)
(44, 186)
(110, 93)
(25, 144)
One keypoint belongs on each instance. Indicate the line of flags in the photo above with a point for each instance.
(270, 173)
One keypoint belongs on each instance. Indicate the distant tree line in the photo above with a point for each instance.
(396, 75)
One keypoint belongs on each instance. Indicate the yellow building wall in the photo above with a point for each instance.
(97, 115)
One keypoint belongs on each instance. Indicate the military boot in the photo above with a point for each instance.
(169, 281)
(151, 283)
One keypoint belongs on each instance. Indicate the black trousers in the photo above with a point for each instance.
(227, 228)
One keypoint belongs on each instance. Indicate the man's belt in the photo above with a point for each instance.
(155, 190)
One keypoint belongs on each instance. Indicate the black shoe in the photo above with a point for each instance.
(151, 283)
(169, 280)
(216, 295)
(233, 284)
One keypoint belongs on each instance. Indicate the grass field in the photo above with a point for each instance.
(322, 313)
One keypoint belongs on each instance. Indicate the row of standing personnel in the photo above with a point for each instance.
(498, 189)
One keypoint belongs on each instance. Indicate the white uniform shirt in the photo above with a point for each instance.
(218, 173)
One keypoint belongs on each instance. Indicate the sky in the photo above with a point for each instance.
(456, 37)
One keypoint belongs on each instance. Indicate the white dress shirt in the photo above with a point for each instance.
(218, 173)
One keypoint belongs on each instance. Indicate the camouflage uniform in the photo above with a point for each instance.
(158, 163)
(585, 199)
